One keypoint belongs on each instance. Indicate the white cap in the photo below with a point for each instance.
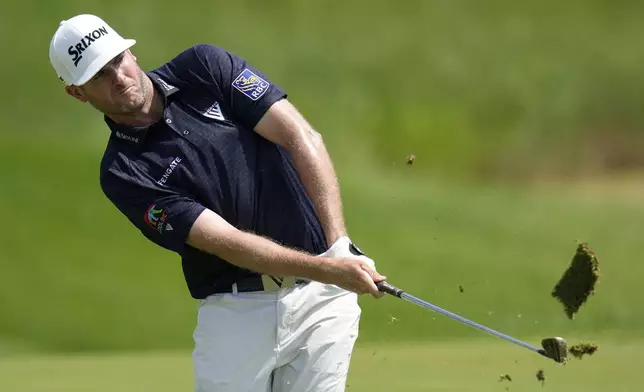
(82, 46)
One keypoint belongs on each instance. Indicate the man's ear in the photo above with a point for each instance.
(76, 92)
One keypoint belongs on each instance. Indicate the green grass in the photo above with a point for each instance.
(468, 365)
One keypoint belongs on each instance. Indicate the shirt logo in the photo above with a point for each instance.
(129, 138)
(169, 171)
(85, 42)
(214, 112)
(250, 84)
(156, 217)
(167, 87)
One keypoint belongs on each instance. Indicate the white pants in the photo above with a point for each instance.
(298, 339)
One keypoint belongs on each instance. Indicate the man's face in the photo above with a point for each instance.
(117, 89)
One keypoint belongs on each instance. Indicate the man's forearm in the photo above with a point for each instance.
(285, 126)
(261, 255)
(211, 234)
(315, 169)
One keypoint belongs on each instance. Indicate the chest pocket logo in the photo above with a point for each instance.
(214, 112)
(168, 171)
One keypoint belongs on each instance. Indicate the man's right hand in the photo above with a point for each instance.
(355, 274)
(349, 268)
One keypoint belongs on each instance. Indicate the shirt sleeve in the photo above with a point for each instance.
(245, 90)
(163, 216)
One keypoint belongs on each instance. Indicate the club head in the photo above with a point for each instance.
(555, 348)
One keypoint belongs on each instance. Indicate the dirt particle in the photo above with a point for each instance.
(541, 376)
(410, 159)
(460, 289)
(505, 377)
(581, 349)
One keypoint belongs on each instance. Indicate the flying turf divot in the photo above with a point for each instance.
(578, 281)
(581, 349)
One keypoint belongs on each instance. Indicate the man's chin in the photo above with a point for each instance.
(132, 107)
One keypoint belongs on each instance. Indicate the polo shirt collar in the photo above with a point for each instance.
(136, 134)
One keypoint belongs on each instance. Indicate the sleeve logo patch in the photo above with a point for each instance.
(250, 84)
(156, 218)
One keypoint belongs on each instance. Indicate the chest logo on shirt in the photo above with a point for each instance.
(250, 84)
(214, 112)
(156, 218)
(166, 86)
(169, 170)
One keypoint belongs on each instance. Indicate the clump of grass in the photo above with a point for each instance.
(578, 281)
(581, 349)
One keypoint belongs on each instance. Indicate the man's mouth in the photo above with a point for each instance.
(123, 92)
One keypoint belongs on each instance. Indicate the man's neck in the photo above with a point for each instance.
(150, 112)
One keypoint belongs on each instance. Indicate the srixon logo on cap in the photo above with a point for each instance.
(76, 50)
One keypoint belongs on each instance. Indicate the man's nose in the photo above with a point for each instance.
(115, 74)
(118, 76)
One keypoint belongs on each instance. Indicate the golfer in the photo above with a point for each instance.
(208, 159)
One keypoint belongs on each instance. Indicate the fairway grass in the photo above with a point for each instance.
(474, 365)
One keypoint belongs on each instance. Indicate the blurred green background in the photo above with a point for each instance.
(525, 119)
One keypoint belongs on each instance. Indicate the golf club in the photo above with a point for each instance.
(553, 348)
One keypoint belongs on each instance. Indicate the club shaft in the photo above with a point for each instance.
(471, 323)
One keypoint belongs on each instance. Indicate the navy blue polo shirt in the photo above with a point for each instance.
(204, 153)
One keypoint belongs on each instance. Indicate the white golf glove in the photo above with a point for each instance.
(343, 247)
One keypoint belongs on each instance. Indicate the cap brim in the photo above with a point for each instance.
(102, 60)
